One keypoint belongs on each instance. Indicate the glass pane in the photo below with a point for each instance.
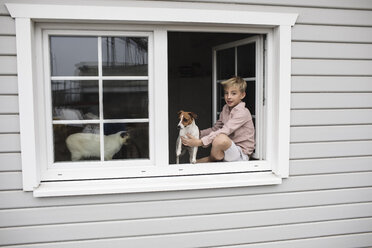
(247, 60)
(250, 98)
(75, 100)
(76, 142)
(73, 56)
(125, 99)
(126, 140)
(225, 63)
(125, 56)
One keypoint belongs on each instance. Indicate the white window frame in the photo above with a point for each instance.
(163, 20)
(51, 171)
(260, 106)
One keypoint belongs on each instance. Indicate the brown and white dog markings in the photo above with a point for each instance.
(186, 126)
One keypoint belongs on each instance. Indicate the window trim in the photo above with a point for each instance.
(279, 55)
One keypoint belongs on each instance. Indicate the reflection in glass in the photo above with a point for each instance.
(125, 99)
(75, 100)
(76, 142)
(246, 60)
(73, 56)
(226, 63)
(127, 140)
(125, 56)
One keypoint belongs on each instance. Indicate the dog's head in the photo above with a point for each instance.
(186, 118)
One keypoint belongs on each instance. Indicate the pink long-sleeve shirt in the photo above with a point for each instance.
(237, 124)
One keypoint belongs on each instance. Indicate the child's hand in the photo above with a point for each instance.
(191, 141)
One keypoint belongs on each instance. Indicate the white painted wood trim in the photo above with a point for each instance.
(282, 37)
(160, 96)
(25, 60)
(155, 184)
(150, 14)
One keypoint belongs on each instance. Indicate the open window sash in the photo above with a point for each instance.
(244, 58)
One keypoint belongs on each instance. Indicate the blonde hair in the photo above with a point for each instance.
(236, 82)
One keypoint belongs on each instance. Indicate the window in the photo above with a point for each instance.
(96, 87)
(113, 79)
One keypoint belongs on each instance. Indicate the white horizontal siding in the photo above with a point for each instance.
(10, 181)
(339, 241)
(8, 104)
(8, 45)
(8, 85)
(331, 117)
(255, 220)
(163, 209)
(331, 84)
(205, 238)
(10, 162)
(330, 165)
(331, 100)
(331, 133)
(331, 149)
(7, 25)
(9, 143)
(326, 33)
(331, 50)
(9, 123)
(331, 67)
(8, 65)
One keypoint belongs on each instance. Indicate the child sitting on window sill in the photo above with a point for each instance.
(232, 137)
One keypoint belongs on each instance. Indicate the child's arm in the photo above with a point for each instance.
(238, 118)
(217, 125)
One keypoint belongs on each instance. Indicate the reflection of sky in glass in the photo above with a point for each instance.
(68, 54)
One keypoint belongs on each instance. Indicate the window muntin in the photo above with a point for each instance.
(99, 89)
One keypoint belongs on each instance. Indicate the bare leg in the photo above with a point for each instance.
(220, 144)
(203, 160)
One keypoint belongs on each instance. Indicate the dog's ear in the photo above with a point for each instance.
(179, 112)
(195, 116)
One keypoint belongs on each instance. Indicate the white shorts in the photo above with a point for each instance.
(235, 153)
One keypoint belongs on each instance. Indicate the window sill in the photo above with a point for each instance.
(137, 185)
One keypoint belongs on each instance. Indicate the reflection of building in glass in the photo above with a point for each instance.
(75, 99)
(121, 56)
(125, 56)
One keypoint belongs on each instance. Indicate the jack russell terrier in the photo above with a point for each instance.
(186, 126)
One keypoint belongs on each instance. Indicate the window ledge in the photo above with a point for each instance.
(118, 186)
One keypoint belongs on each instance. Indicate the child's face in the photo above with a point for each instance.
(233, 96)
